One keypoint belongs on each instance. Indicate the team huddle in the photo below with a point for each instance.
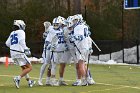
(66, 40)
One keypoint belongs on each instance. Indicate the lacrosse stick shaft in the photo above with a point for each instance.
(96, 45)
(88, 65)
(78, 50)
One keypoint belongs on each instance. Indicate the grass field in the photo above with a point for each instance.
(109, 79)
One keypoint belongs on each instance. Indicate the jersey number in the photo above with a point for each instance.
(60, 39)
(14, 39)
(85, 32)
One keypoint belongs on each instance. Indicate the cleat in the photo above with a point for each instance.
(54, 82)
(63, 83)
(48, 83)
(84, 82)
(32, 83)
(16, 81)
(40, 83)
(91, 81)
(77, 83)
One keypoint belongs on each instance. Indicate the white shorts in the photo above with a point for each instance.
(21, 59)
(73, 54)
(46, 56)
(56, 57)
(66, 57)
(83, 56)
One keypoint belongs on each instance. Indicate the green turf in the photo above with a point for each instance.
(109, 79)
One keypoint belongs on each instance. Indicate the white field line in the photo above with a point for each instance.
(119, 85)
(103, 90)
(122, 86)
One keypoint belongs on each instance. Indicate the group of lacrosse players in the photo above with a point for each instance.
(65, 40)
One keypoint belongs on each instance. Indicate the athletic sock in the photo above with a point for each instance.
(61, 79)
(19, 77)
(29, 81)
(48, 78)
(42, 70)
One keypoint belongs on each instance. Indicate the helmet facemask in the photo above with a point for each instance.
(56, 26)
(56, 23)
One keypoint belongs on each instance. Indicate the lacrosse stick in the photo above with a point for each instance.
(96, 45)
(78, 50)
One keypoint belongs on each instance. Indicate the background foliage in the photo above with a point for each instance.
(103, 16)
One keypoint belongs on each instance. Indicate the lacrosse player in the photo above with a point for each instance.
(87, 34)
(65, 56)
(19, 52)
(68, 34)
(45, 56)
(87, 38)
(81, 47)
(55, 42)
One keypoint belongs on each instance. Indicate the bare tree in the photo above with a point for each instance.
(77, 6)
(69, 8)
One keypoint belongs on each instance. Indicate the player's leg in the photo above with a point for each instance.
(17, 79)
(42, 70)
(88, 73)
(65, 58)
(61, 73)
(78, 76)
(83, 73)
(54, 62)
(61, 70)
(26, 68)
(48, 75)
(46, 57)
(27, 77)
(81, 63)
(53, 81)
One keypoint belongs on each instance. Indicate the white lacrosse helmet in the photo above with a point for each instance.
(62, 20)
(20, 24)
(76, 19)
(56, 23)
(70, 21)
(80, 17)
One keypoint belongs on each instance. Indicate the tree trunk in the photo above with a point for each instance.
(69, 8)
(77, 6)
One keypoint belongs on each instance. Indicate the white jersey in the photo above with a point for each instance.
(80, 33)
(67, 34)
(16, 41)
(56, 37)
